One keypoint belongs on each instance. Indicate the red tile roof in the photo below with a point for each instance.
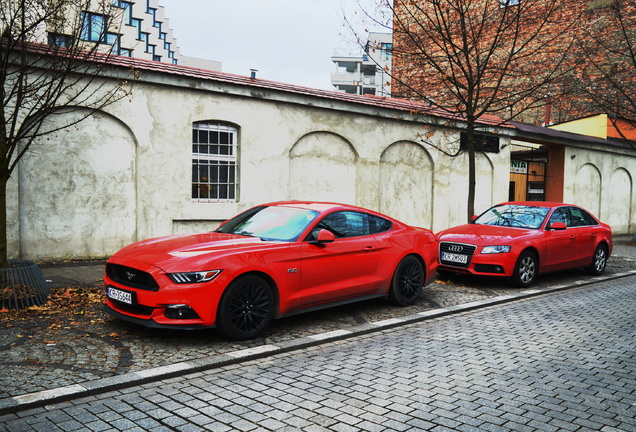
(369, 100)
(409, 107)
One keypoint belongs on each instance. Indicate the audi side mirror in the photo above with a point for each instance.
(557, 226)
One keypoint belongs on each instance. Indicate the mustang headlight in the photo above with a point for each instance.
(193, 277)
(495, 249)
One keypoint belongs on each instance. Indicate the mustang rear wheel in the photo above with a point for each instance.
(599, 261)
(407, 282)
(526, 269)
(246, 308)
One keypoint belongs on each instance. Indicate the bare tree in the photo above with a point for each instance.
(475, 58)
(52, 53)
(610, 53)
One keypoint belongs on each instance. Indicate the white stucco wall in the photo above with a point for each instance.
(125, 174)
(602, 181)
(78, 191)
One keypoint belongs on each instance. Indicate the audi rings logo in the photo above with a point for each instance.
(455, 248)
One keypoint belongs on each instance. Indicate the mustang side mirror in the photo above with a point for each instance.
(324, 236)
(558, 226)
(473, 218)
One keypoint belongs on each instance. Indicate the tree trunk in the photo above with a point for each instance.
(470, 147)
(4, 178)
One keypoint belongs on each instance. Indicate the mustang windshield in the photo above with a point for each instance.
(518, 216)
(270, 223)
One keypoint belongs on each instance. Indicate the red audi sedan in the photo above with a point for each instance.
(520, 240)
(270, 261)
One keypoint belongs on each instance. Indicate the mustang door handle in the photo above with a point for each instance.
(368, 248)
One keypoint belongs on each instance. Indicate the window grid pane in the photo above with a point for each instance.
(214, 162)
(93, 27)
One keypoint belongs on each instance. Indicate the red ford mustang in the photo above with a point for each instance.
(522, 239)
(270, 261)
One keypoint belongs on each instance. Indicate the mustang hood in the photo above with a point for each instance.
(484, 234)
(166, 252)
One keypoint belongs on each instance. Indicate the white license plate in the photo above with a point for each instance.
(458, 258)
(119, 295)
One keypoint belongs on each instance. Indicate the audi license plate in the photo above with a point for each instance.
(119, 295)
(458, 258)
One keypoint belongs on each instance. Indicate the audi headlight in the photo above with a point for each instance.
(495, 249)
(193, 277)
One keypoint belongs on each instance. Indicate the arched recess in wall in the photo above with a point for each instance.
(620, 192)
(457, 199)
(484, 182)
(406, 183)
(78, 189)
(322, 167)
(587, 189)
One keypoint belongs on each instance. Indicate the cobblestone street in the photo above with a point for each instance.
(37, 355)
(564, 361)
(43, 363)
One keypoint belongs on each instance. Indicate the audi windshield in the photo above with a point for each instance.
(517, 216)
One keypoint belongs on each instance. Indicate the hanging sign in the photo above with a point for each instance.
(518, 167)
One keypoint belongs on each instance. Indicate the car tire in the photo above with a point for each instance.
(599, 261)
(526, 269)
(407, 281)
(246, 308)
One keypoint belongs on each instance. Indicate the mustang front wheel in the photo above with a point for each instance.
(407, 282)
(246, 308)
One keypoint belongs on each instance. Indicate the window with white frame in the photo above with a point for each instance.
(93, 27)
(386, 50)
(137, 24)
(60, 40)
(114, 40)
(506, 3)
(127, 6)
(214, 162)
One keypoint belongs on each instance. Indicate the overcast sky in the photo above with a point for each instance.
(289, 41)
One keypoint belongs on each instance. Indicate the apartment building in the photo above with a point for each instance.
(137, 29)
(368, 73)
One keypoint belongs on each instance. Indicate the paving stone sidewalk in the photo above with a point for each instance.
(101, 353)
(564, 361)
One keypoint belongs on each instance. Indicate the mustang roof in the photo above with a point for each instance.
(319, 206)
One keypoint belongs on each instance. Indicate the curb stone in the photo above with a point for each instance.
(42, 399)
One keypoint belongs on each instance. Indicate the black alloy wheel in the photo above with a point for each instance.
(599, 261)
(407, 282)
(246, 308)
(526, 269)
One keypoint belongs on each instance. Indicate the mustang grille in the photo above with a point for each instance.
(456, 249)
(131, 277)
